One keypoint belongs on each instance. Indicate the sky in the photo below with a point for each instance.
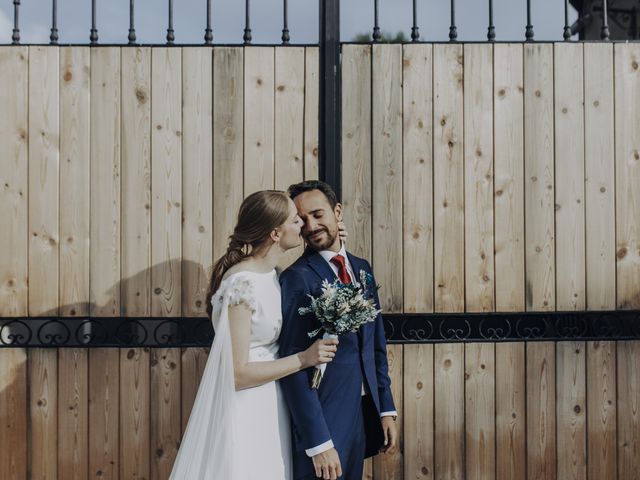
(74, 20)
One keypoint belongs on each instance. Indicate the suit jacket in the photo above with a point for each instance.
(328, 412)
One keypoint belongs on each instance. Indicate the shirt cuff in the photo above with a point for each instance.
(320, 448)
(389, 414)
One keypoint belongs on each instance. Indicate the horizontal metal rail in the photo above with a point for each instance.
(90, 332)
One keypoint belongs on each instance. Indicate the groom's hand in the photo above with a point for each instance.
(327, 464)
(390, 435)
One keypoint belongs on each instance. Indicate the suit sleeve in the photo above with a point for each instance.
(304, 404)
(382, 365)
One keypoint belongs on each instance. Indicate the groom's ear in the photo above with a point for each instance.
(338, 211)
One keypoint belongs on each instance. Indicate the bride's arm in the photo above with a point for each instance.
(251, 374)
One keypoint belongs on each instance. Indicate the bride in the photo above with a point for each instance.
(239, 424)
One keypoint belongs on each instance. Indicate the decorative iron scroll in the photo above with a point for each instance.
(400, 328)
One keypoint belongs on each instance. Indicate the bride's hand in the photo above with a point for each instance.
(322, 351)
(342, 232)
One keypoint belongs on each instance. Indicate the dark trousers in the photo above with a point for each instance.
(351, 455)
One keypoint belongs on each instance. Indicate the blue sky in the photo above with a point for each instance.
(74, 17)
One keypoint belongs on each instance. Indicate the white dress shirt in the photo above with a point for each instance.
(328, 255)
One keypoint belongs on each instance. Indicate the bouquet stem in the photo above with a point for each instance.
(319, 370)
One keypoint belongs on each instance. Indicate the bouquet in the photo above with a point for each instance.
(341, 308)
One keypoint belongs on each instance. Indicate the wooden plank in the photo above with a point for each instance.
(508, 134)
(197, 228)
(448, 178)
(73, 413)
(627, 140)
(136, 257)
(134, 413)
(14, 176)
(166, 182)
(601, 410)
(599, 167)
(386, 132)
(289, 126)
(43, 254)
(43, 413)
(43, 180)
(104, 412)
(74, 181)
(166, 245)
(289, 116)
(14, 240)
(600, 252)
(228, 134)
(628, 377)
(197, 177)
(571, 406)
(510, 411)
(390, 466)
(480, 407)
(105, 258)
(418, 421)
(569, 173)
(509, 256)
(627, 149)
(356, 147)
(13, 418)
(136, 181)
(478, 177)
(449, 411)
(539, 177)
(311, 113)
(258, 119)
(104, 274)
(541, 411)
(417, 177)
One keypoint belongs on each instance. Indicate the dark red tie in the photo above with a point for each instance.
(343, 274)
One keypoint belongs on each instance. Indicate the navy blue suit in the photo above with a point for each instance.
(337, 410)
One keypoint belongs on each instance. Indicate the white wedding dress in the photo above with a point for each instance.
(239, 435)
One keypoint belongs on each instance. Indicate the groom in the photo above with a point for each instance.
(351, 415)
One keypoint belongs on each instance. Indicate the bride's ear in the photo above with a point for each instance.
(275, 235)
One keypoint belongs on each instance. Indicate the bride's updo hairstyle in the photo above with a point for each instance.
(260, 213)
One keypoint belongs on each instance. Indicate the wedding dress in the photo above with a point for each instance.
(239, 435)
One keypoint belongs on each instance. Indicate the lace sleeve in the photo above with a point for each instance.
(240, 290)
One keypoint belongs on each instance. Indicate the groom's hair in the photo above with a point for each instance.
(308, 185)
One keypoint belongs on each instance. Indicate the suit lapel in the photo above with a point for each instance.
(320, 266)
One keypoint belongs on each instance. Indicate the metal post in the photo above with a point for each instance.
(529, 29)
(208, 33)
(415, 31)
(93, 37)
(247, 25)
(132, 28)
(604, 30)
(453, 30)
(377, 35)
(491, 31)
(566, 34)
(53, 38)
(15, 36)
(285, 26)
(329, 146)
(170, 32)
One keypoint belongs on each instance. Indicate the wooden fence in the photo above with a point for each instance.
(477, 177)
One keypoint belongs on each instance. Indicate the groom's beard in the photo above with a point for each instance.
(322, 242)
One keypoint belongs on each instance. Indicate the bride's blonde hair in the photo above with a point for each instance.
(260, 213)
